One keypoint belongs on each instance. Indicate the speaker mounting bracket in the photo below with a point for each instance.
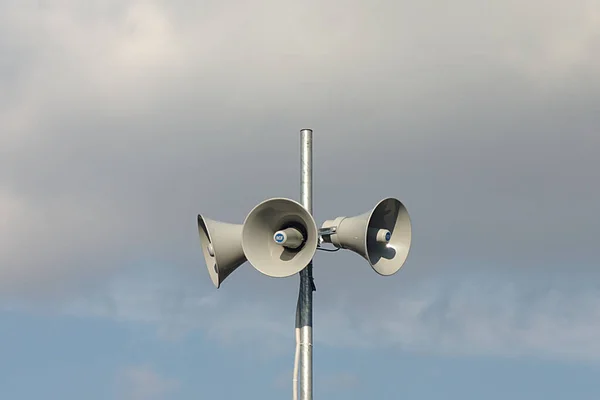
(327, 231)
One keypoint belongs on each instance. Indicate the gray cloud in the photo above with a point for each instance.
(122, 120)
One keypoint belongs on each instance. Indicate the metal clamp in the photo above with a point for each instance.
(327, 231)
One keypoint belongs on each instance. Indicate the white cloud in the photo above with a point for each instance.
(179, 309)
(472, 319)
(338, 381)
(476, 317)
(143, 383)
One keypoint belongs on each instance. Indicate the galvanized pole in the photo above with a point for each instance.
(304, 310)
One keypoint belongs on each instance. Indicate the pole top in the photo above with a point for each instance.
(306, 131)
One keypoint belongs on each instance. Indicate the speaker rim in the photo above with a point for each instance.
(214, 275)
(373, 210)
(313, 243)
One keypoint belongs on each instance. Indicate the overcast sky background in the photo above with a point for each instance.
(120, 121)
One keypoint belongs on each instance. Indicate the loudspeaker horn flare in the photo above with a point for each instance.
(382, 236)
(222, 248)
(279, 237)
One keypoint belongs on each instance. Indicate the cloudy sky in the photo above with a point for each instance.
(120, 121)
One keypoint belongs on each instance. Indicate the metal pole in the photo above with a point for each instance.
(304, 309)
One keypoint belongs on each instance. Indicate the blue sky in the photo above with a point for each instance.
(120, 121)
(98, 360)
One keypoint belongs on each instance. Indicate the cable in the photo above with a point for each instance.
(329, 250)
(298, 338)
